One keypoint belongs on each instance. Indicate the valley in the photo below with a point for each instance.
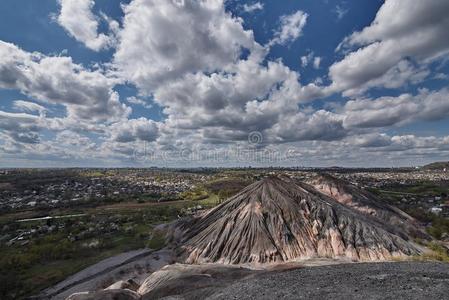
(88, 233)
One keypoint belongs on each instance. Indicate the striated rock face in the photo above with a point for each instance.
(192, 281)
(129, 284)
(275, 220)
(106, 295)
(366, 203)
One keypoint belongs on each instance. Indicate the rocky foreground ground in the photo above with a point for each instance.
(400, 280)
(392, 280)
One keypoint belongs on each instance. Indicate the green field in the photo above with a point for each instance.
(48, 258)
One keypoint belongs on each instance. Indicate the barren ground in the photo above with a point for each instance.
(398, 280)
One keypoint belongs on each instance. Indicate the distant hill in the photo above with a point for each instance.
(276, 220)
(441, 165)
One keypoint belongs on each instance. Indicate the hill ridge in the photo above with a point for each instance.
(278, 219)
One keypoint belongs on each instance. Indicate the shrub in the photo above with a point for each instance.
(157, 240)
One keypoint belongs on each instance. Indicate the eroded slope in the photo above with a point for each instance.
(276, 220)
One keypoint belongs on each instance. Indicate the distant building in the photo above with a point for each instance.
(436, 210)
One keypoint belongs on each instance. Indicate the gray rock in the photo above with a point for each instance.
(129, 284)
(396, 281)
(276, 220)
(106, 295)
(191, 281)
(367, 204)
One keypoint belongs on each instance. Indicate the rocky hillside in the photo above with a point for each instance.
(366, 203)
(399, 280)
(437, 166)
(177, 280)
(275, 220)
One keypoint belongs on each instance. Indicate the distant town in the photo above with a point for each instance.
(22, 189)
(57, 216)
(67, 188)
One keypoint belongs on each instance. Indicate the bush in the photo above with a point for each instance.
(157, 240)
(438, 252)
(10, 282)
(439, 227)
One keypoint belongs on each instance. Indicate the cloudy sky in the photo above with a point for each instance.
(223, 83)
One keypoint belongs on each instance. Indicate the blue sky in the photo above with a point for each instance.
(92, 83)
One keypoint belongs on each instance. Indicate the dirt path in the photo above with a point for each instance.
(29, 214)
(133, 264)
(134, 205)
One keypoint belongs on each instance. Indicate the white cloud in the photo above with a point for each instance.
(28, 106)
(399, 76)
(310, 58)
(137, 101)
(77, 19)
(87, 95)
(402, 30)
(371, 140)
(306, 59)
(254, 97)
(291, 28)
(213, 96)
(441, 76)
(389, 111)
(21, 127)
(209, 90)
(74, 139)
(319, 126)
(134, 129)
(340, 11)
(203, 37)
(317, 62)
(249, 8)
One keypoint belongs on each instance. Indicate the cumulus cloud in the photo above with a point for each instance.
(137, 101)
(87, 95)
(134, 129)
(410, 144)
(402, 29)
(321, 125)
(77, 18)
(371, 140)
(71, 138)
(359, 115)
(399, 76)
(203, 37)
(388, 111)
(216, 84)
(27, 106)
(203, 83)
(254, 97)
(21, 127)
(291, 27)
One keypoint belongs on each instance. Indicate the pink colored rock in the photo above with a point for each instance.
(275, 220)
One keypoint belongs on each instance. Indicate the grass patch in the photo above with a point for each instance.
(195, 194)
(437, 253)
(210, 201)
(77, 243)
(157, 240)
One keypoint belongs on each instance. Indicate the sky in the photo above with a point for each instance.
(223, 83)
